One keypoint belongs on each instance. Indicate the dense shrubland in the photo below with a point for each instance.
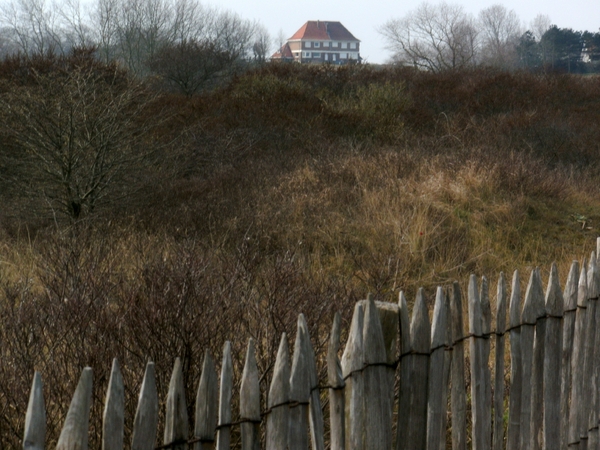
(290, 189)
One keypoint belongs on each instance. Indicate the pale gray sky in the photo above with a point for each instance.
(363, 17)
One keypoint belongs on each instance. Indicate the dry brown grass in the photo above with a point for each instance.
(277, 204)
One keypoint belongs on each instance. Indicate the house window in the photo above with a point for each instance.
(306, 55)
(351, 45)
(343, 55)
(316, 55)
(308, 44)
(317, 44)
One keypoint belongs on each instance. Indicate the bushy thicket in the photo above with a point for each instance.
(294, 189)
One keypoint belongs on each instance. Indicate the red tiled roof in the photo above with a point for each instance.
(323, 31)
(283, 52)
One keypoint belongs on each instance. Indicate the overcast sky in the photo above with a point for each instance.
(363, 17)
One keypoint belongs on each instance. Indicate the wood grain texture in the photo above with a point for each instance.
(35, 418)
(225, 394)
(176, 415)
(114, 411)
(207, 404)
(553, 362)
(516, 365)
(250, 401)
(74, 434)
(146, 416)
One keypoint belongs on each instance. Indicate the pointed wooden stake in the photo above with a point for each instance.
(176, 416)
(278, 421)
(577, 362)
(594, 438)
(437, 393)
(74, 435)
(35, 419)
(146, 415)
(300, 388)
(378, 410)
(478, 366)
(404, 398)
(336, 382)
(486, 328)
(501, 308)
(206, 405)
(420, 341)
(552, 362)
(114, 411)
(533, 308)
(458, 392)
(352, 364)
(315, 413)
(590, 339)
(516, 366)
(225, 393)
(250, 401)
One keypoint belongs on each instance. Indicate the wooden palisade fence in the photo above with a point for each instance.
(553, 401)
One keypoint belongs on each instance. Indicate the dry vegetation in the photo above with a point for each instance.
(292, 189)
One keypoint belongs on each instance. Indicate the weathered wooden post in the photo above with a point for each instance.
(420, 341)
(501, 307)
(590, 339)
(225, 393)
(377, 398)
(486, 329)
(533, 308)
(145, 422)
(405, 374)
(299, 392)
(352, 365)
(552, 362)
(458, 394)
(336, 383)
(593, 292)
(437, 391)
(478, 367)
(114, 411)
(569, 314)
(206, 406)
(315, 413)
(278, 420)
(577, 363)
(35, 418)
(516, 366)
(176, 416)
(250, 401)
(74, 434)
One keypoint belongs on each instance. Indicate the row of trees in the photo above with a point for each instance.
(145, 36)
(444, 36)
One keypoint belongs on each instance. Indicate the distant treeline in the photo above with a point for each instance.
(560, 49)
(445, 37)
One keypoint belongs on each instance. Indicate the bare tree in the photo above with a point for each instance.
(539, 25)
(76, 24)
(233, 34)
(262, 44)
(434, 37)
(500, 33)
(192, 66)
(33, 25)
(74, 132)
